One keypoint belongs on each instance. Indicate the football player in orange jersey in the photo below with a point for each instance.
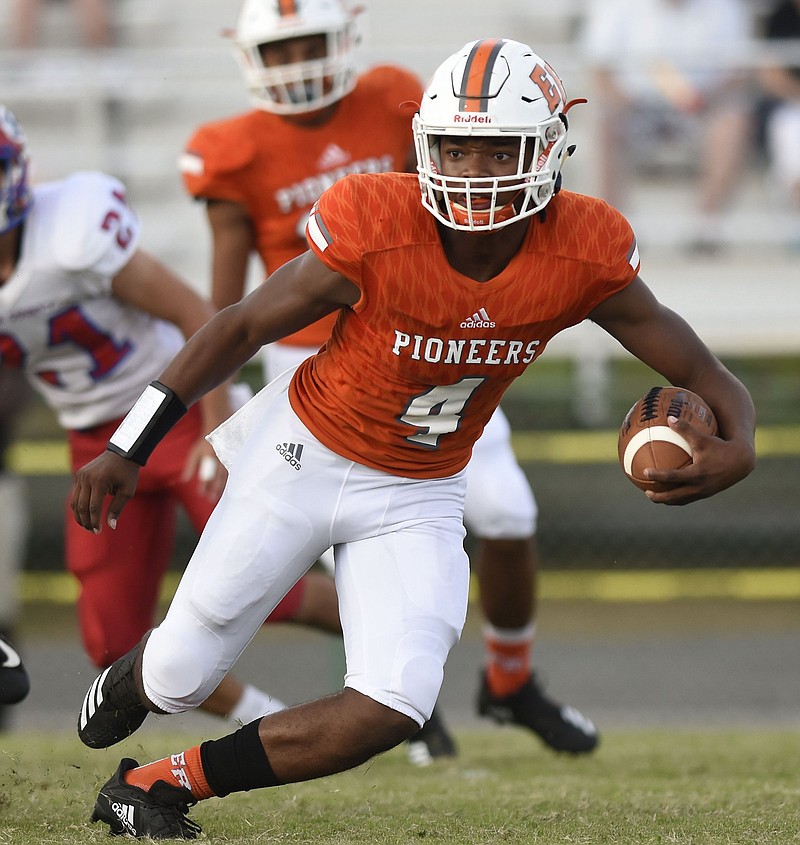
(364, 446)
(259, 174)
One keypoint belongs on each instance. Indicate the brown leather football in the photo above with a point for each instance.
(646, 439)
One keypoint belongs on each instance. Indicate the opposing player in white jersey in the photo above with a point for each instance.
(91, 318)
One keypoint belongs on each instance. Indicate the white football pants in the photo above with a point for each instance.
(401, 571)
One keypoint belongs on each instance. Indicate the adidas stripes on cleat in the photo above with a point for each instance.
(159, 813)
(562, 728)
(431, 742)
(112, 709)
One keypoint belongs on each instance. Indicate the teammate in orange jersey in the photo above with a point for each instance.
(364, 446)
(259, 174)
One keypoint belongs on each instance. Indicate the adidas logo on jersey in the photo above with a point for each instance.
(479, 320)
(291, 453)
(332, 156)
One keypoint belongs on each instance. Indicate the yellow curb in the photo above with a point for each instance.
(51, 457)
(601, 586)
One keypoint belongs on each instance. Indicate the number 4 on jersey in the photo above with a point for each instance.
(438, 411)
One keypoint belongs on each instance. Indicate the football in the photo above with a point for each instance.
(647, 441)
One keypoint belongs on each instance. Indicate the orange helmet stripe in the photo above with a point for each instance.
(477, 75)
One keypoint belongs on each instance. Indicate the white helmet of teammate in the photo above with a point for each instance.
(15, 193)
(304, 86)
(492, 87)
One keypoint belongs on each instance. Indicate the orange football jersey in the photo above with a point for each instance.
(415, 368)
(278, 169)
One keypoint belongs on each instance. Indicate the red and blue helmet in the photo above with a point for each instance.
(15, 192)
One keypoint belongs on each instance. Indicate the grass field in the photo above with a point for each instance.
(639, 788)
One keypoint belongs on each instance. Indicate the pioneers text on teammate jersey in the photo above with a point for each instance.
(278, 169)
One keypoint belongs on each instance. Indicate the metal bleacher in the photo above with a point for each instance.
(129, 111)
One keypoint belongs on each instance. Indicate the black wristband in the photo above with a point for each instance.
(153, 415)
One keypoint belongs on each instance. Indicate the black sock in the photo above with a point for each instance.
(237, 762)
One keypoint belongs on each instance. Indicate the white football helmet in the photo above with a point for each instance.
(492, 87)
(303, 86)
(15, 193)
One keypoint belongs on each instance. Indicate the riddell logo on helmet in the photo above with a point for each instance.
(472, 118)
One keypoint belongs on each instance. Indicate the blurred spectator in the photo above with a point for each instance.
(13, 517)
(93, 16)
(665, 72)
(780, 81)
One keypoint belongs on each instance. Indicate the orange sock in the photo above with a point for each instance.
(184, 769)
(508, 663)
